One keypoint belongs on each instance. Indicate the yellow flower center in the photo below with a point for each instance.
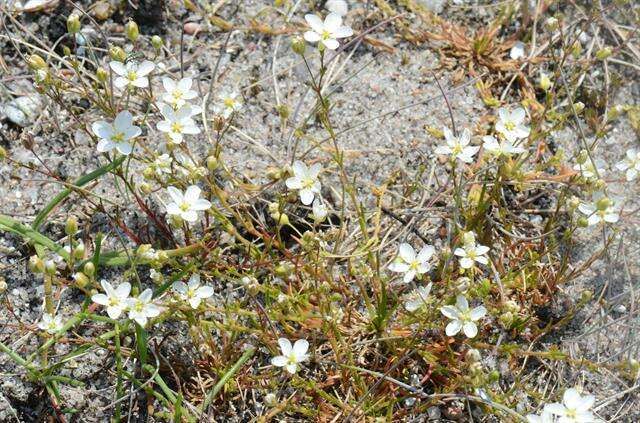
(132, 76)
(114, 301)
(185, 206)
(308, 182)
(510, 126)
(177, 94)
(176, 127)
(117, 137)
(229, 103)
(414, 265)
(139, 306)
(326, 35)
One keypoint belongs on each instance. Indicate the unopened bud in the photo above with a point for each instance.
(603, 53)
(583, 222)
(583, 156)
(36, 62)
(102, 75)
(551, 24)
(78, 252)
(578, 107)
(50, 267)
(131, 29)
(73, 24)
(148, 173)
(118, 54)
(3, 285)
(283, 111)
(212, 163)
(473, 355)
(89, 268)
(156, 42)
(603, 203)
(36, 265)
(545, 83)
(145, 188)
(66, 51)
(298, 46)
(80, 279)
(3, 153)
(71, 227)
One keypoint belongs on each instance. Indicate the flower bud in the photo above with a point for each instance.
(156, 42)
(506, 319)
(604, 53)
(131, 29)
(50, 267)
(36, 62)
(545, 83)
(603, 203)
(284, 269)
(71, 227)
(3, 285)
(102, 75)
(578, 107)
(283, 111)
(573, 202)
(586, 295)
(80, 279)
(78, 252)
(66, 51)
(212, 163)
(36, 265)
(583, 156)
(118, 54)
(3, 153)
(599, 184)
(473, 355)
(73, 24)
(148, 173)
(551, 24)
(89, 268)
(298, 46)
(583, 222)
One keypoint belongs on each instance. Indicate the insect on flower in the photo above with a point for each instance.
(132, 74)
(462, 317)
(187, 205)
(114, 299)
(458, 146)
(116, 134)
(193, 292)
(410, 263)
(305, 180)
(328, 32)
(291, 356)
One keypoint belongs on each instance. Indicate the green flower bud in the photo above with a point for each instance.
(102, 75)
(66, 51)
(3, 153)
(283, 111)
(603, 203)
(583, 222)
(71, 226)
(73, 24)
(473, 356)
(131, 29)
(604, 53)
(156, 42)
(551, 24)
(545, 83)
(118, 54)
(578, 106)
(586, 295)
(78, 252)
(80, 279)
(583, 156)
(50, 267)
(89, 268)
(212, 163)
(36, 265)
(36, 62)
(3, 285)
(298, 46)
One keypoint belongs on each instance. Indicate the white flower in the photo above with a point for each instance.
(462, 317)
(162, 164)
(177, 93)
(471, 252)
(291, 356)
(511, 124)
(319, 210)
(141, 308)
(417, 298)
(601, 210)
(229, 102)
(116, 134)
(545, 417)
(588, 168)
(631, 164)
(115, 299)
(188, 204)
(327, 32)
(193, 293)
(337, 6)
(500, 148)
(458, 147)
(156, 276)
(177, 123)
(410, 263)
(132, 75)
(517, 51)
(574, 408)
(50, 323)
(305, 180)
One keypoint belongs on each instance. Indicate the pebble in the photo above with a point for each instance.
(22, 110)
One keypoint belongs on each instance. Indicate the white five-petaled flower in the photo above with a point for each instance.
(132, 75)
(162, 164)
(410, 263)
(458, 146)
(545, 417)
(601, 210)
(590, 169)
(337, 6)
(177, 93)
(630, 165)
(511, 124)
(142, 308)
(500, 148)
(575, 408)
(114, 299)
(417, 298)
(229, 102)
(50, 323)
(193, 292)
(177, 123)
(305, 180)
(471, 252)
(327, 32)
(517, 51)
(187, 205)
(462, 317)
(291, 356)
(116, 134)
